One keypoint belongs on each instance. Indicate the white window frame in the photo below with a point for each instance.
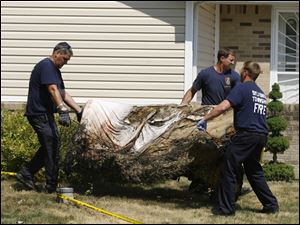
(274, 41)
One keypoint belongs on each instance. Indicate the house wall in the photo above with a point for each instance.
(125, 51)
(247, 30)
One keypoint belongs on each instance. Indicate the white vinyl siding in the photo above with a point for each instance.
(131, 51)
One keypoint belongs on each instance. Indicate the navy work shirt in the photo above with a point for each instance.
(249, 104)
(39, 99)
(215, 86)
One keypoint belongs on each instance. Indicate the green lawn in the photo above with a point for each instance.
(168, 202)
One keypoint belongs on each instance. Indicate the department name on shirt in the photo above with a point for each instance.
(260, 102)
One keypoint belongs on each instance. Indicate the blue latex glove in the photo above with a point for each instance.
(202, 125)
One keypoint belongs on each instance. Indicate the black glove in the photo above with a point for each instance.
(79, 115)
(64, 119)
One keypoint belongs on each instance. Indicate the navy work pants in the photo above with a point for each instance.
(48, 154)
(246, 148)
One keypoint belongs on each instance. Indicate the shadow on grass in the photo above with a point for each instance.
(182, 197)
(17, 186)
(253, 210)
(160, 193)
(39, 187)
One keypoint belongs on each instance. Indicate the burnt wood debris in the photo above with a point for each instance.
(149, 143)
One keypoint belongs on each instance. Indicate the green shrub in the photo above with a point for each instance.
(275, 107)
(19, 141)
(278, 172)
(275, 93)
(276, 124)
(277, 144)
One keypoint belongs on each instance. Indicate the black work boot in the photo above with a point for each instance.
(270, 210)
(27, 182)
(50, 188)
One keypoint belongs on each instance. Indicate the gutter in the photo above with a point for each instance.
(257, 2)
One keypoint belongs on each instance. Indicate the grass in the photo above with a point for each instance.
(165, 203)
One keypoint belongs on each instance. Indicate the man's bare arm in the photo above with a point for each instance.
(218, 110)
(55, 94)
(70, 101)
(188, 96)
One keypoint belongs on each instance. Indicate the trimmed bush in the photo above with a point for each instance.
(277, 144)
(275, 107)
(275, 93)
(276, 124)
(278, 172)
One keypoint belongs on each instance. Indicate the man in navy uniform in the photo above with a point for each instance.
(249, 104)
(46, 96)
(216, 82)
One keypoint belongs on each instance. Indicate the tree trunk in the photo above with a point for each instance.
(146, 144)
(274, 157)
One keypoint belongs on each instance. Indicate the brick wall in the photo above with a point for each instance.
(247, 30)
(13, 105)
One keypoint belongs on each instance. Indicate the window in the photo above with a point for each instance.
(288, 42)
(285, 53)
(291, 47)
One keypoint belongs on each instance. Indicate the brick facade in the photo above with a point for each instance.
(247, 30)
